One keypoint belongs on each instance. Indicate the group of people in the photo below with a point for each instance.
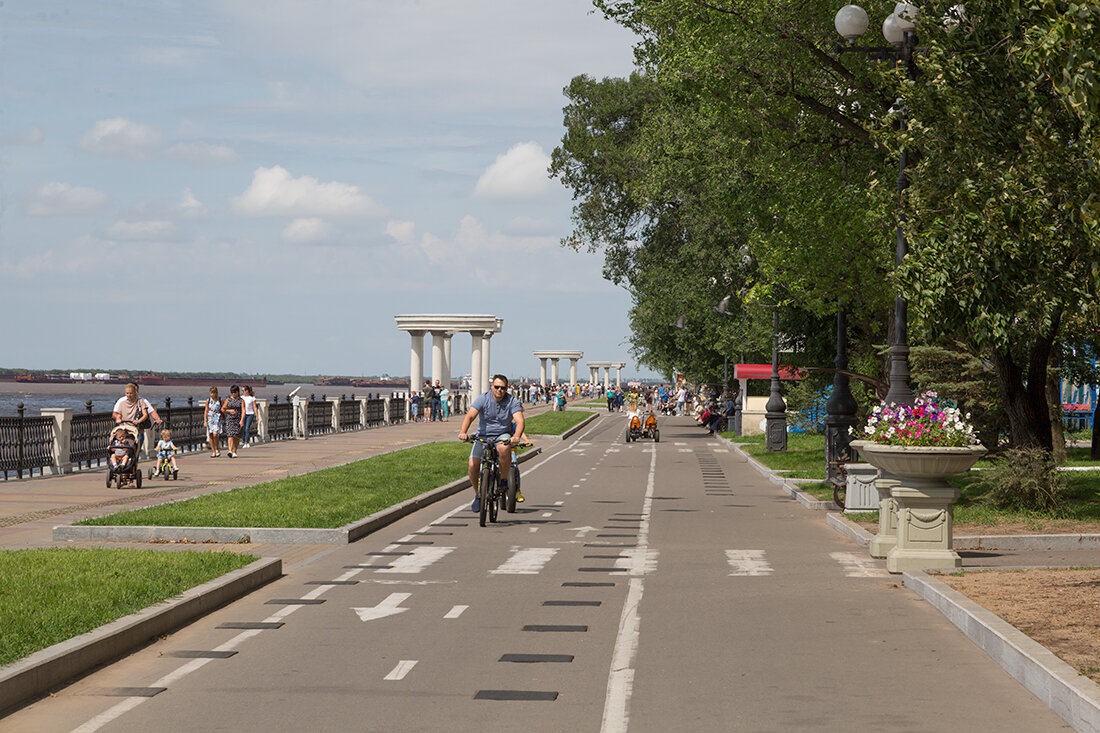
(232, 418)
(431, 403)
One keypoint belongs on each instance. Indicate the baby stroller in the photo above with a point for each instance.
(124, 476)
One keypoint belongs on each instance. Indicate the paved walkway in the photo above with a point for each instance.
(31, 508)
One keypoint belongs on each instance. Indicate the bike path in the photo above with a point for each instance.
(648, 587)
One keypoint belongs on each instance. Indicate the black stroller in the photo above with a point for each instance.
(128, 473)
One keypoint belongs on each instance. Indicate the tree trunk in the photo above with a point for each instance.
(1054, 410)
(1025, 400)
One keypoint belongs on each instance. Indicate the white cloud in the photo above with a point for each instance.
(207, 155)
(190, 206)
(142, 231)
(518, 174)
(122, 138)
(55, 198)
(402, 231)
(306, 231)
(33, 137)
(472, 241)
(273, 192)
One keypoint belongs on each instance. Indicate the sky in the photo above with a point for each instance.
(260, 186)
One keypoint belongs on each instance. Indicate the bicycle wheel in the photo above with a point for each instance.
(484, 492)
(513, 487)
(494, 495)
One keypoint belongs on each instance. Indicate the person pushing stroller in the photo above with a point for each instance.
(123, 449)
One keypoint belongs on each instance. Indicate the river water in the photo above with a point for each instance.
(36, 395)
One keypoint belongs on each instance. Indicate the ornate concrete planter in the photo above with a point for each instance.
(915, 482)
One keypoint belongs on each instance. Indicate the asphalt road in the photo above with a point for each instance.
(642, 587)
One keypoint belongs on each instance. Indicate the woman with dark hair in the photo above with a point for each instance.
(249, 400)
(233, 412)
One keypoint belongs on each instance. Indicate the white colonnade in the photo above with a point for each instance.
(554, 357)
(443, 327)
(594, 368)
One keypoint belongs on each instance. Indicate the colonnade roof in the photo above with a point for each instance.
(558, 354)
(448, 322)
(617, 364)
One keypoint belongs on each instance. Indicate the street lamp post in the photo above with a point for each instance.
(898, 28)
(775, 410)
(723, 309)
(840, 409)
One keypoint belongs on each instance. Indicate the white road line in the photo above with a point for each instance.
(420, 559)
(547, 514)
(558, 503)
(685, 450)
(620, 680)
(859, 566)
(748, 563)
(679, 444)
(455, 612)
(403, 668)
(529, 561)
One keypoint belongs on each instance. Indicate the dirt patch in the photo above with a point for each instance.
(1059, 608)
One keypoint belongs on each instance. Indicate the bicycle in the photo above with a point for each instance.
(164, 467)
(490, 493)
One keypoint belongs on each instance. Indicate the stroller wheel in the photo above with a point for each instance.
(137, 478)
(110, 477)
(175, 475)
(151, 474)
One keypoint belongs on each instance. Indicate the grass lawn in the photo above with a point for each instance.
(51, 595)
(324, 499)
(554, 423)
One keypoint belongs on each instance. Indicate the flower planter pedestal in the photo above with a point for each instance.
(915, 477)
(887, 537)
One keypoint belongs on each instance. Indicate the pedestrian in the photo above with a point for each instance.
(426, 400)
(136, 410)
(445, 401)
(437, 401)
(212, 416)
(414, 405)
(249, 399)
(232, 417)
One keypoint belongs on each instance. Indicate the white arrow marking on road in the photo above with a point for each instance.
(526, 562)
(420, 558)
(388, 607)
(403, 668)
(456, 612)
(582, 531)
(748, 562)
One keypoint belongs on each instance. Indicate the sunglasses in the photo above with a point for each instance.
(498, 387)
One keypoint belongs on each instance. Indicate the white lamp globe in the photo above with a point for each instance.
(906, 14)
(851, 22)
(892, 30)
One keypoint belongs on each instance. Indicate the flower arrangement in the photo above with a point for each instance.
(926, 422)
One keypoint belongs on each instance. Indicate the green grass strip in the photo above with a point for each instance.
(324, 499)
(51, 595)
(804, 457)
(554, 423)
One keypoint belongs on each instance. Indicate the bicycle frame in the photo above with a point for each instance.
(489, 492)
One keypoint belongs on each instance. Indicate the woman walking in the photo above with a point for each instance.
(249, 399)
(212, 416)
(233, 416)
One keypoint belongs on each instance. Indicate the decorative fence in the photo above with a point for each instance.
(26, 444)
(61, 441)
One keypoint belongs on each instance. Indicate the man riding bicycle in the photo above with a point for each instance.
(496, 412)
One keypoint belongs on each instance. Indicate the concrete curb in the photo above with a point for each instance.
(571, 431)
(851, 530)
(274, 535)
(786, 485)
(36, 674)
(1072, 696)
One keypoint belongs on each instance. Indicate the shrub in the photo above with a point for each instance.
(1024, 478)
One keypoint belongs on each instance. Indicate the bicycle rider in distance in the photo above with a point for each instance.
(496, 411)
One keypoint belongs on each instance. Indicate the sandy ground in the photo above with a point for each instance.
(1059, 608)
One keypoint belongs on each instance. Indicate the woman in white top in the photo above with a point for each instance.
(249, 400)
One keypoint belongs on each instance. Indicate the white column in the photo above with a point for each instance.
(447, 359)
(606, 377)
(593, 375)
(486, 369)
(618, 376)
(416, 360)
(573, 373)
(542, 371)
(554, 371)
(475, 364)
(438, 339)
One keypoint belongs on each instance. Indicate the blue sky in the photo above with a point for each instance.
(268, 182)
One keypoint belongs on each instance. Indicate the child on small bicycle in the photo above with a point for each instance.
(166, 449)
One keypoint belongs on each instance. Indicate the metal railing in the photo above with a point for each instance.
(186, 423)
(280, 420)
(397, 410)
(351, 414)
(26, 443)
(318, 416)
(89, 437)
(376, 413)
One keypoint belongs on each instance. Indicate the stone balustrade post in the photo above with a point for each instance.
(335, 416)
(62, 437)
(301, 417)
(261, 427)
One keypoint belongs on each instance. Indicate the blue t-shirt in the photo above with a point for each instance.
(495, 418)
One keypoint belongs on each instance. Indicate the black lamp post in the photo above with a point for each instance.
(898, 28)
(840, 408)
(723, 309)
(775, 410)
